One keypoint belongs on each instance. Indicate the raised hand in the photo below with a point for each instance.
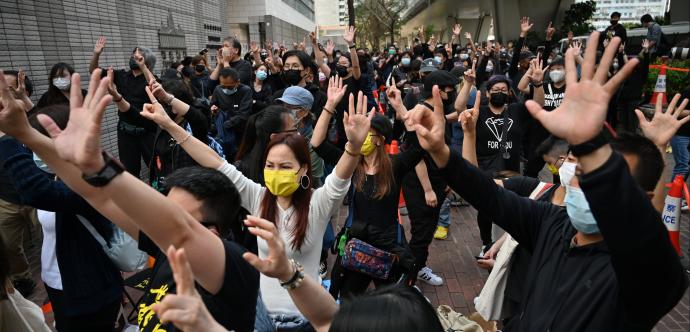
(276, 264)
(158, 91)
(100, 44)
(549, 31)
(356, 121)
(394, 96)
(525, 26)
(468, 118)
(583, 110)
(13, 119)
(139, 59)
(646, 45)
(663, 125)
(349, 35)
(186, 310)
(468, 36)
(537, 70)
(330, 46)
(470, 75)
(254, 47)
(80, 142)
(457, 28)
(312, 36)
(112, 89)
(430, 126)
(155, 112)
(20, 90)
(336, 89)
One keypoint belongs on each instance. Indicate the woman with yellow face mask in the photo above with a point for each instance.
(376, 184)
(299, 212)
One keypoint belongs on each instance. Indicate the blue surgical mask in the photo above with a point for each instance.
(261, 75)
(464, 56)
(578, 210)
(229, 92)
(42, 165)
(438, 59)
(405, 61)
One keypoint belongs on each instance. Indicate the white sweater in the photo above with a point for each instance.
(321, 206)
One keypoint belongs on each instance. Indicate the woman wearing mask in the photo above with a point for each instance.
(299, 212)
(400, 71)
(374, 200)
(347, 69)
(58, 90)
(261, 93)
(554, 91)
(299, 69)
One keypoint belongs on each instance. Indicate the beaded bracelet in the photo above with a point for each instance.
(297, 278)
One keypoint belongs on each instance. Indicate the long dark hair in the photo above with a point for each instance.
(302, 196)
(54, 95)
(392, 308)
(384, 176)
(4, 270)
(257, 134)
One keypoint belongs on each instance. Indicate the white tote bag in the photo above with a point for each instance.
(123, 250)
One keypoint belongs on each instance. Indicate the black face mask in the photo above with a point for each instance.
(451, 99)
(133, 64)
(342, 71)
(614, 22)
(498, 99)
(292, 77)
(199, 68)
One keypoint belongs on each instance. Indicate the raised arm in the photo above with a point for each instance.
(464, 95)
(357, 124)
(79, 144)
(122, 104)
(350, 39)
(97, 50)
(468, 121)
(537, 79)
(525, 27)
(312, 300)
(142, 66)
(336, 91)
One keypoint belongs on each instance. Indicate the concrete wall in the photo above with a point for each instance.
(36, 34)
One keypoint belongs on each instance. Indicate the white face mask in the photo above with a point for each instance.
(567, 172)
(490, 67)
(464, 56)
(557, 75)
(62, 83)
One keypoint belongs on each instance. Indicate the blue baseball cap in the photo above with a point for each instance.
(297, 96)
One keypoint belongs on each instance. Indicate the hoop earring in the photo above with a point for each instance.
(301, 182)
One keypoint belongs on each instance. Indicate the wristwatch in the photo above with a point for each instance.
(590, 146)
(110, 170)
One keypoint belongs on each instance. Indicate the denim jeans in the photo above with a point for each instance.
(267, 322)
(444, 215)
(679, 144)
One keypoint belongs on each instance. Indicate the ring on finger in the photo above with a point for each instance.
(154, 102)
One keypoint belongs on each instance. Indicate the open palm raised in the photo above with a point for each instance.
(583, 110)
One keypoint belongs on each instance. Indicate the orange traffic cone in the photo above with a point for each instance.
(660, 87)
(394, 149)
(671, 214)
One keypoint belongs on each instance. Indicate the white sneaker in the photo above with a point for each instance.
(429, 277)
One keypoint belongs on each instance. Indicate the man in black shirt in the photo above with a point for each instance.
(615, 29)
(231, 58)
(135, 135)
(233, 102)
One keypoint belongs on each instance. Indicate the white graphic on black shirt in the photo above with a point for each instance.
(494, 123)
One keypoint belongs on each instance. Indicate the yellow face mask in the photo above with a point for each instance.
(368, 146)
(552, 169)
(281, 182)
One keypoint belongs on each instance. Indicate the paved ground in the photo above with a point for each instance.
(453, 259)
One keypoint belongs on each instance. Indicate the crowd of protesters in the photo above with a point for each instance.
(249, 160)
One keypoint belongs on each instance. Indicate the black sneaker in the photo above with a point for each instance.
(25, 286)
(323, 270)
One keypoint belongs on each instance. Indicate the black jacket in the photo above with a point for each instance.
(625, 283)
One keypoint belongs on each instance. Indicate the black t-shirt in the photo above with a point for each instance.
(234, 306)
(132, 89)
(491, 136)
(244, 68)
(525, 185)
(553, 96)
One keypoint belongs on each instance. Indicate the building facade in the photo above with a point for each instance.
(331, 20)
(279, 21)
(36, 34)
(631, 10)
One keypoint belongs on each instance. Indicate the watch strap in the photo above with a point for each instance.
(590, 146)
(110, 170)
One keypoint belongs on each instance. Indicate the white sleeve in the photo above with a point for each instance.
(324, 199)
(250, 191)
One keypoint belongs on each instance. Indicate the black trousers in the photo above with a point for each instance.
(423, 221)
(101, 320)
(133, 147)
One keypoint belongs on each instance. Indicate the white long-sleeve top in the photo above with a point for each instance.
(321, 206)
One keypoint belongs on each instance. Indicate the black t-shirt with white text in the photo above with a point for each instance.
(234, 306)
(491, 136)
(553, 96)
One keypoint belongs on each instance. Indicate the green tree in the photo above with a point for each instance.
(577, 18)
(382, 17)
